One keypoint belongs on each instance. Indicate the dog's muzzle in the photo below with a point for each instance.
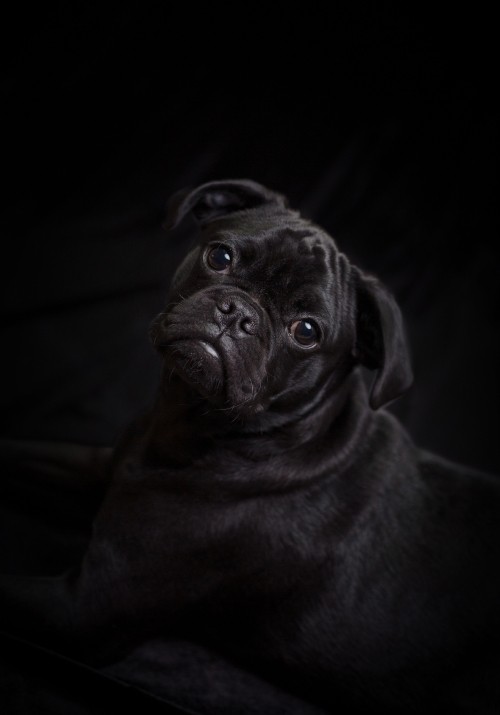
(217, 340)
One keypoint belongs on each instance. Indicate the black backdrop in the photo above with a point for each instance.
(381, 126)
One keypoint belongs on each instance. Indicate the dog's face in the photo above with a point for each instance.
(265, 314)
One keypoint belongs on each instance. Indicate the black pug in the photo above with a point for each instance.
(268, 504)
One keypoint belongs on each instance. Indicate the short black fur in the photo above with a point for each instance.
(268, 506)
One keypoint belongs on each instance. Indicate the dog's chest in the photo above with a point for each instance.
(203, 541)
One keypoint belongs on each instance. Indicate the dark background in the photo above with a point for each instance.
(378, 124)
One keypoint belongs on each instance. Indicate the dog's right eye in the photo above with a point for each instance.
(305, 333)
(219, 259)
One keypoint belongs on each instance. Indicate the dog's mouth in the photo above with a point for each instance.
(197, 362)
(223, 372)
(210, 349)
(218, 344)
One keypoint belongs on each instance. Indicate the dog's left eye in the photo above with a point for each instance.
(219, 258)
(305, 332)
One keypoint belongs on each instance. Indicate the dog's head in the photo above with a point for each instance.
(266, 314)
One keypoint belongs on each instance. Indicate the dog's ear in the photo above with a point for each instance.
(381, 341)
(217, 198)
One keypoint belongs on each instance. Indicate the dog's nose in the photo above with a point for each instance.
(234, 313)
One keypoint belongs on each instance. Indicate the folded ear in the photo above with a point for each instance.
(381, 341)
(217, 198)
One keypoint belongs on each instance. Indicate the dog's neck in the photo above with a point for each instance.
(184, 429)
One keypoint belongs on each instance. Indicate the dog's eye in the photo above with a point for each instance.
(305, 332)
(219, 258)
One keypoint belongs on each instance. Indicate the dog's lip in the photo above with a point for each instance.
(165, 344)
(209, 349)
(195, 342)
(198, 362)
(207, 346)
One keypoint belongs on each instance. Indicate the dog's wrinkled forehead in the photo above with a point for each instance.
(282, 250)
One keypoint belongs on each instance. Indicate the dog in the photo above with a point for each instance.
(269, 503)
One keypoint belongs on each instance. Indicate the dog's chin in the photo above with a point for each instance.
(216, 376)
(198, 364)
